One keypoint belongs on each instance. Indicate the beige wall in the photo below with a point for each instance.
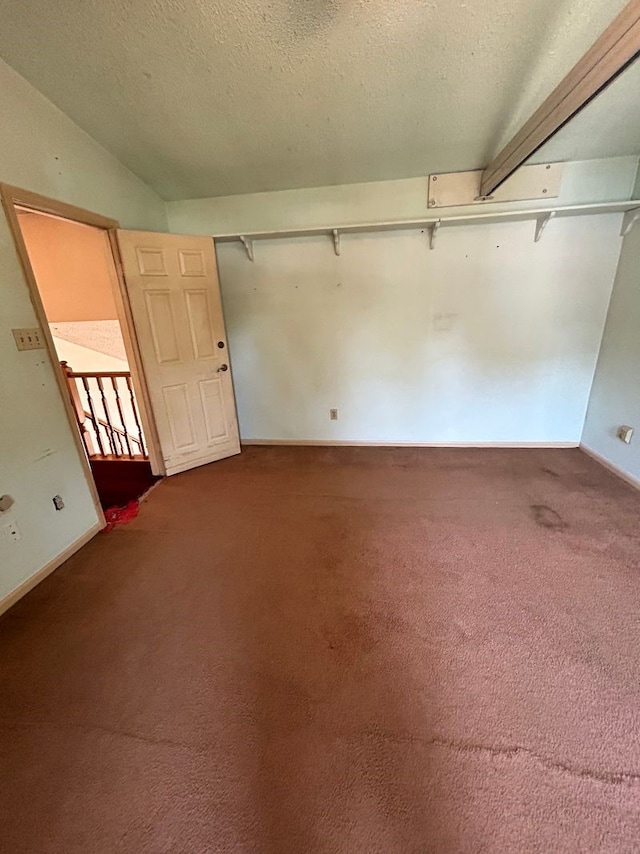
(71, 266)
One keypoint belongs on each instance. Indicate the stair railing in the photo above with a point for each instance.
(107, 413)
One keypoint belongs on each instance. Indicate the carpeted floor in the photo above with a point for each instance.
(321, 651)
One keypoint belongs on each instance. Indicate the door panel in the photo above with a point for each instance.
(192, 262)
(176, 399)
(150, 262)
(163, 332)
(173, 288)
(200, 324)
(211, 395)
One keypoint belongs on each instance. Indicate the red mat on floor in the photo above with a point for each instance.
(120, 515)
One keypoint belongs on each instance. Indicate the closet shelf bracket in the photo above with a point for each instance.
(629, 220)
(336, 240)
(433, 233)
(541, 224)
(248, 245)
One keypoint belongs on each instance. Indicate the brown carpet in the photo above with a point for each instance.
(337, 650)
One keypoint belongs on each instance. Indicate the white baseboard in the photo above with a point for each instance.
(35, 579)
(350, 444)
(621, 473)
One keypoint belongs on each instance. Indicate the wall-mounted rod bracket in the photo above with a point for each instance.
(336, 240)
(248, 245)
(433, 233)
(541, 224)
(629, 220)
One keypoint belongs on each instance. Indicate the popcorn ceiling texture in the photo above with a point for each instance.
(104, 336)
(203, 98)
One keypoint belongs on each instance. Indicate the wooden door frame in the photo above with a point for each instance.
(14, 198)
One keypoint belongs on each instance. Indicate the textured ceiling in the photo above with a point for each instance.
(215, 97)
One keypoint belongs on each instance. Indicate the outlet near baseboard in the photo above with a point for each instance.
(625, 433)
(333, 414)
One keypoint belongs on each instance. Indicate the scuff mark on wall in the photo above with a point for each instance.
(48, 452)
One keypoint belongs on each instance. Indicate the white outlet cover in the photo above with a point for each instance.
(10, 533)
(625, 433)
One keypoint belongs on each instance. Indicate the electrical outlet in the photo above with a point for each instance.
(58, 503)
(625, 433)
(333, 414)
(10, 533)
(28, 339)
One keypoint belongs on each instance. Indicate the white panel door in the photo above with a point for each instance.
(172, 282)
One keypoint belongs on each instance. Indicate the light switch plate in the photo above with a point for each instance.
(29, 339)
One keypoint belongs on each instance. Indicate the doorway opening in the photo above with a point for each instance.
(74, 271)
(178, 387)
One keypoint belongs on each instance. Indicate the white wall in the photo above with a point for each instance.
(615, 397)
(43, 151)
(490, 338)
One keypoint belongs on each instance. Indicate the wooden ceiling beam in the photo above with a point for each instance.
(609, 56)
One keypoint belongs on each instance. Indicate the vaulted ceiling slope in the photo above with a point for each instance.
(217, 97)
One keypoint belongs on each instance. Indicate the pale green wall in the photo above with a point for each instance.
(583, 182)
(42, 150)
(490, 338)
(615, 396)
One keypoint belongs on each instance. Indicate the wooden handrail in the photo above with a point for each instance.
(97, 374)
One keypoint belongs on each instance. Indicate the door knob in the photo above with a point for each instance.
(223, 368)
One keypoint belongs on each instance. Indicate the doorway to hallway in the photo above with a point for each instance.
(179, 385)
(74, 272)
